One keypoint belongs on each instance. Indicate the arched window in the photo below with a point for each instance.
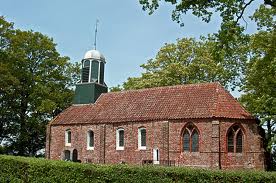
(235, 139)
(120, 139)
(142, 138)
(68, 137)
(90, 140)
(190, 139)
(67, 155)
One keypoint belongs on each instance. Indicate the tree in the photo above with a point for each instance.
(229, 11)
(191, 61)
(260, 77)
(37, 86)
(232, 13)
(6, 30)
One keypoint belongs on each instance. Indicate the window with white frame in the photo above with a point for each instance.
(90, 140)
(120, 139)
(142, 138)
(68, 137)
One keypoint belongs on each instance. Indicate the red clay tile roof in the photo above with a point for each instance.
(205, 100)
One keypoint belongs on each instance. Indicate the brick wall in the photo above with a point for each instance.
(164, 135)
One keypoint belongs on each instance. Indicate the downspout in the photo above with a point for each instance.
(104, 143)
(219, 148)
(169, 144)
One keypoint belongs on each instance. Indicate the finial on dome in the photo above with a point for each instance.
(96, 30)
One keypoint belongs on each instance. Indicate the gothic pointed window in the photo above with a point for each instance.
(190, 139)
(235, 139)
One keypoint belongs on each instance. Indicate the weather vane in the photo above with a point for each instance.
(96, 30)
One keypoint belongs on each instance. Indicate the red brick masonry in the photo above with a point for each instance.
(164, 112)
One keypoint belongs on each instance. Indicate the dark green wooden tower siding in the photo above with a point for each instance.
(87, 93)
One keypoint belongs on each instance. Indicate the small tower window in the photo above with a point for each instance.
(142, 138)
(235, 139)
(95, 71)
(120, 139)
(90, 140)
(68, 137)
(102, 73)
(85, 71)
(190, 139)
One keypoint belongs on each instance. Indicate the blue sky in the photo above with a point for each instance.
(127, 36)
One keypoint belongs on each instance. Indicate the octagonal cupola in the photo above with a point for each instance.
(92, 84)
(92, 67)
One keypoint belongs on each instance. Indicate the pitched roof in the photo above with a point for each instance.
(205, 100)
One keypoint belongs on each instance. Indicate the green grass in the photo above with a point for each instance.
(22, 169)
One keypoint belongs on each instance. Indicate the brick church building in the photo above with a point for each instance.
(194, 125)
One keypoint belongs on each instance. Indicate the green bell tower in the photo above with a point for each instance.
(92, 84)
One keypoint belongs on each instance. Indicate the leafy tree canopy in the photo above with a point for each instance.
(259, 84)
(192, 61)
(230, 10)
(35, 86)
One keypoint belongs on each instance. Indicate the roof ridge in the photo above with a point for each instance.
(164, 87)
(228, 94)
(81, 104)
(236, 100)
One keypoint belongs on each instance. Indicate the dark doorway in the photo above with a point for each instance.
(75, 155)
(67, 155)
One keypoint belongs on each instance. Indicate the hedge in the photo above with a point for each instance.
(21, 169)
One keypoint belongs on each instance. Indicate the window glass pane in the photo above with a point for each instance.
(239, 142)
(143, 137)
(102, 73)
(195, 141)
(95, 70)
(85, 71)
(86, 63)
(186, 141)
(121, 138)
(230, 139)
(68, 136)
(190, 127)
(91, 139)
(236, 127)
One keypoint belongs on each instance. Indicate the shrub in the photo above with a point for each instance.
(21, 169)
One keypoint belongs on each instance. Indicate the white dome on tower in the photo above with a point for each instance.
(94, 54)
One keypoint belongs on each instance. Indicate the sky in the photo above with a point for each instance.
(127, 35)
